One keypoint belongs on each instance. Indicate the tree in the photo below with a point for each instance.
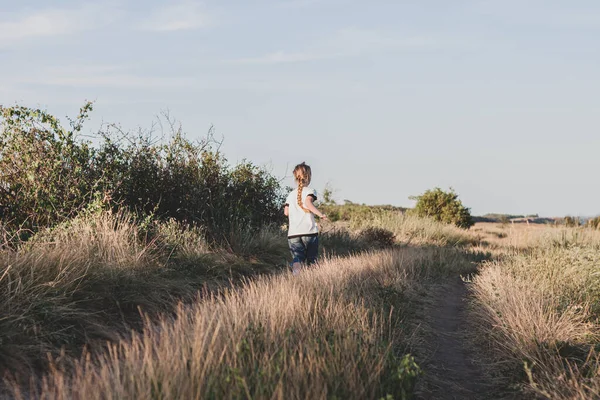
(444, 207)
(328, 199)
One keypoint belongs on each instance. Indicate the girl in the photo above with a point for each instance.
(303, 233)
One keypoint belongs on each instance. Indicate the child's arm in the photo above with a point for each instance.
(286, 210)
(311, 207)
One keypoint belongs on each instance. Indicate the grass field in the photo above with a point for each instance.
(540, 307)
(107, 307)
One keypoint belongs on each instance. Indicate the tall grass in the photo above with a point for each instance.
(87, 280)
(541, 309)
(416, 230)
(522, 237)
(154, 305)
(334, 331)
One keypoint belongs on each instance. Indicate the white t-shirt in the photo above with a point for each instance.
(301, 222)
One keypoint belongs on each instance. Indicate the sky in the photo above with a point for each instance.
(384, 99)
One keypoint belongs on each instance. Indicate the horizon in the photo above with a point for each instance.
(384, 100)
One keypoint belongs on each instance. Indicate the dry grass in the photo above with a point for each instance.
(341, 330)
(541, 309)
(332, 331)
(410, 229)
(86, 281)
(520, 236)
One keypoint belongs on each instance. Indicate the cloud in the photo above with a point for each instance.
(344, 43)
(50, 22)
(53, 22)
(186, 15)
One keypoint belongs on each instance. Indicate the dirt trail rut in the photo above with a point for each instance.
(450, 372)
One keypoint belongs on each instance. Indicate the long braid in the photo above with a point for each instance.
(300, 186)
(302, 174)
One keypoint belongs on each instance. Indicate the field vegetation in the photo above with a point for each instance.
(49, 174)
(136, 268)
(92, 280)
(539, 306)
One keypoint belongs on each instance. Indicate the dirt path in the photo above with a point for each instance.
(450, 372)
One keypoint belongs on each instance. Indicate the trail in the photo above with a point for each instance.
(450, 372)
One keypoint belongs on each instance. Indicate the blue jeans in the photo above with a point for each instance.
(304, 249)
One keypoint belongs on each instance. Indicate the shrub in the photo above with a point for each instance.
(44, 171)
(341, 242)
(571, 221)
(190, 182)
(444, 207)
(378, 237)
(48, 175)
(504, 220)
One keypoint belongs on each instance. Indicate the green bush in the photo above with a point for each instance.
(48, 175)
(444, 207)
(44, 172)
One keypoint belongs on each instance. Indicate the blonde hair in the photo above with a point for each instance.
(302, 174)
